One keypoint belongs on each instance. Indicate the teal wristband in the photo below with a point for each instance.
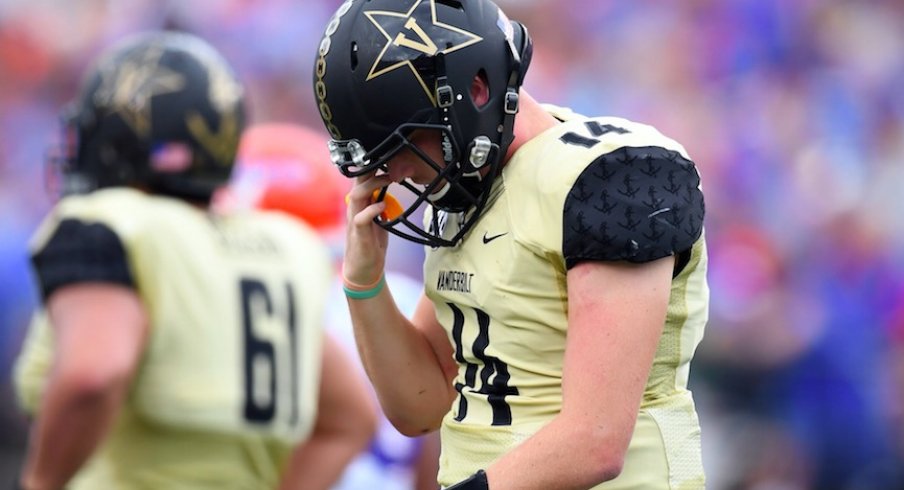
(367, 293)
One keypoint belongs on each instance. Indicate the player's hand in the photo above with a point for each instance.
(365, 245)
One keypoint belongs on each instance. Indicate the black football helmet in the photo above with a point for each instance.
(162, 111)
(388, 68)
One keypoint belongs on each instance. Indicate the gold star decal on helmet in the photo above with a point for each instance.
(407, 39)
(127, 88)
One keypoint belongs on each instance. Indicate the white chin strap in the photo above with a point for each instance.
(440, 193)
(445, 189)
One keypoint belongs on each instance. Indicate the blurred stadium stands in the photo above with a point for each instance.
(793, 111)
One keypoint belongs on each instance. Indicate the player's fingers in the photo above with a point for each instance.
(365, 217)
(365, 247)
(361, 194)
(361, 197)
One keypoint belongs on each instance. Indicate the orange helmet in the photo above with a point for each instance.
(287, 167)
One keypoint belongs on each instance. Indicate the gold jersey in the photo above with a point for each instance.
(229, 379)
(588, 189)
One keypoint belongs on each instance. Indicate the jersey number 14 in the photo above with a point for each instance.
(494, 374)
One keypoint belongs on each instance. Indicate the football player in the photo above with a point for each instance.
(177, 348)
(565, 288)
(286, 167)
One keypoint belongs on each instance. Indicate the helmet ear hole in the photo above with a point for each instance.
(480, 89)
(353, 54)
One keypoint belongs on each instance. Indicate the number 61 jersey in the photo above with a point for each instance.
(600, 189)
(229, 379)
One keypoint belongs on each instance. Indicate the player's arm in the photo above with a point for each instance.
(346, 422)
(409, 362)
(616, 315)
(99, 330)
(426, 465)
(100, 326)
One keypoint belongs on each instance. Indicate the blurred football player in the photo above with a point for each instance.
(177, 348)
(286, 167)
(565, 288)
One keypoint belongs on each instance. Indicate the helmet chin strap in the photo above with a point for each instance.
(465, 192)
(438, 196)
(459, 197)
(469, 185)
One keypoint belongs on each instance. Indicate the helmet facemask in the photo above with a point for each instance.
(452, 190)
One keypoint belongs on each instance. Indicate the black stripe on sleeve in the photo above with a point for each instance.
(81, 252)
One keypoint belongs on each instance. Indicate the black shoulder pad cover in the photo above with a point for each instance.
(81, 252)
(633, 204)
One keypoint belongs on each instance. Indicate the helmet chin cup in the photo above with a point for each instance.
(437, 196)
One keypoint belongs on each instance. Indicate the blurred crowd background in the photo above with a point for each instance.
(792, 110)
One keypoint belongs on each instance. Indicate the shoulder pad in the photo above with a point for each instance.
(635, 203)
